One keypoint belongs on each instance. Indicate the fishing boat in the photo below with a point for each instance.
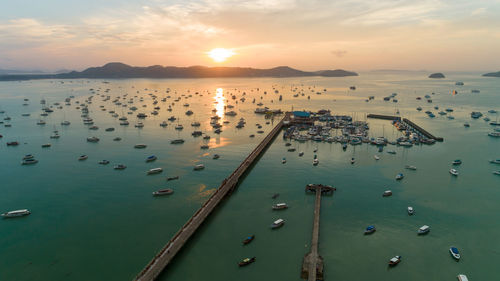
(424, 230)
(387, 193)
(410, 211)
(173, 178)
(454, 253)
(248, 239)
(82, 157)
(399, 176)
(277, 223)
(456, 162)
(394, 261)
(246, 261)
(161, 192)
(154, 171)
(199, 167)
(29, 161)
(140, 145)
(280, 206)
(454, 172)
(104, 162)
(16, 213)
(370, 229)
(151, 158)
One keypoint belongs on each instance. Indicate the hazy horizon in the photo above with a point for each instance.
(361, 35)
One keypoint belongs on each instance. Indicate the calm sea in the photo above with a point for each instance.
(91, 222)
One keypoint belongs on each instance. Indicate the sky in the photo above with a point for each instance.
(437, 35)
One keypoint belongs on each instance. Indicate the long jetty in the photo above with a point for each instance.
(156, 266)
(408, 122)
(312, 266)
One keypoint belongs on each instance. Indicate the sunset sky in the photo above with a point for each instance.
(305, 34)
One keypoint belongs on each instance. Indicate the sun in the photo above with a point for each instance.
(220, 54)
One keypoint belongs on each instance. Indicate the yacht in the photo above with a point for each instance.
(161, 192)
(454, 172)
(151, 158)
(154, 171)
(277, 223)
(387, 193)
(104, 162)
(410, 211)
(370, 229)
(120, 167)
(394, 261)
(92, 139)
(399, 176)
(454, 253)
(29, 161)
(199, 167)
(280, 206)
(409, 167)
(424, 230)
(140, 145)
(83, 157)
(16, 213)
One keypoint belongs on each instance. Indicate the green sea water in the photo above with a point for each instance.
(90, 222)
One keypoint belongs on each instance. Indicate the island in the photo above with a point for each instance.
(437, 75)
(492, 74)
(119, 70)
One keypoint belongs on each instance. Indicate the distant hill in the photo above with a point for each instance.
(14, 71)
(121, 70)
(437, 75)
(492, 74)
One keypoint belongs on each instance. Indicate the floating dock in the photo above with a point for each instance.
(156, 266)
(312, 266)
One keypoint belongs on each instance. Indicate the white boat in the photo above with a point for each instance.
(462, 277)
(283, 161)
(410, 211)
(387, 193)
(454, 172)
(83, 157)
(376, 157)
(424, 230)
(494, 134)
(408, 167)
(455, 253)
(301, 153)
(280, 206)
(16, 213)
(92, 139)
(120, 167)
(277, 223)
(161, 192)
(155, 171)
(315, 161)
(199, 167)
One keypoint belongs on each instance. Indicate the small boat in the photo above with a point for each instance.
(344, 146)
(92, 139)
(28, 156)
(16, 213)
(370, 229)
(154, 171)
(391, 151)
(246, 261)
(29, 161)
(376, 157)
(399, 176)
(408, 167)
(140, 145)
(117, 139)
(495, 161)
(46, 145)
(315, 162)
(199, 167)
(291, 150)
(12, 143)
(216, 156)
(454, 253)
(496, 173)
(387, 193)
(104, 162)
(410, 211)
(82, 157)
(277, 223)
(353, 160)
(456, 162)
(280, 206)
(120, 167)
(394, 261)
(110, 129)
(283, 161)
(248, 239)
(466, 125)
(177, 141)
(301, 153)
(151, 158)
(205, 146)
(454, 172)
(161, 192)
(462, 277)
(424, 230)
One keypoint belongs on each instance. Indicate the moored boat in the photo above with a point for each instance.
(104, 162)
(399, 176)
(154, 171)
(394, 261)
(173, 178)
(161, 192)
(456, 162)
(151, 158)
(140, 145)
(199, 167)
(462, 277)
(16, 213)
(248, 239)
(387, 193)
(82, 157)
(454, 172)
(277, 223)
(370, 229)
(280, 206)
(455, 253)
(424, 230)
(120, 167)
(410, 211)
(246, 261)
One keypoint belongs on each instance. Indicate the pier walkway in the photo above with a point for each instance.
(168, 252)
(312, 266)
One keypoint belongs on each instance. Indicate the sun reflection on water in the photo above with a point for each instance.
(219, 102)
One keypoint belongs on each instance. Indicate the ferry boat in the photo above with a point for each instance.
(277, 223)
(280, 206)
(154, 171)
(394, 261)
(248, 239)
(424, 230)
(161, 192)
(370, 229)
(140, 145)
(246, 261)
(16, 213)
(29, 161)
(454, 172)
(177, 141)
(410, 211)
(399, 176)
(387, 193)
(120, 167)
(199, 167)
(151, 158)
(454, 253)
(82, 157)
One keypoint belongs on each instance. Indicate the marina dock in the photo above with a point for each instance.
(312, 266)
(156, 266)
(421, 130)
(384, 117)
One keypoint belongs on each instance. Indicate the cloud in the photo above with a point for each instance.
(478, 11)
(338, 53)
